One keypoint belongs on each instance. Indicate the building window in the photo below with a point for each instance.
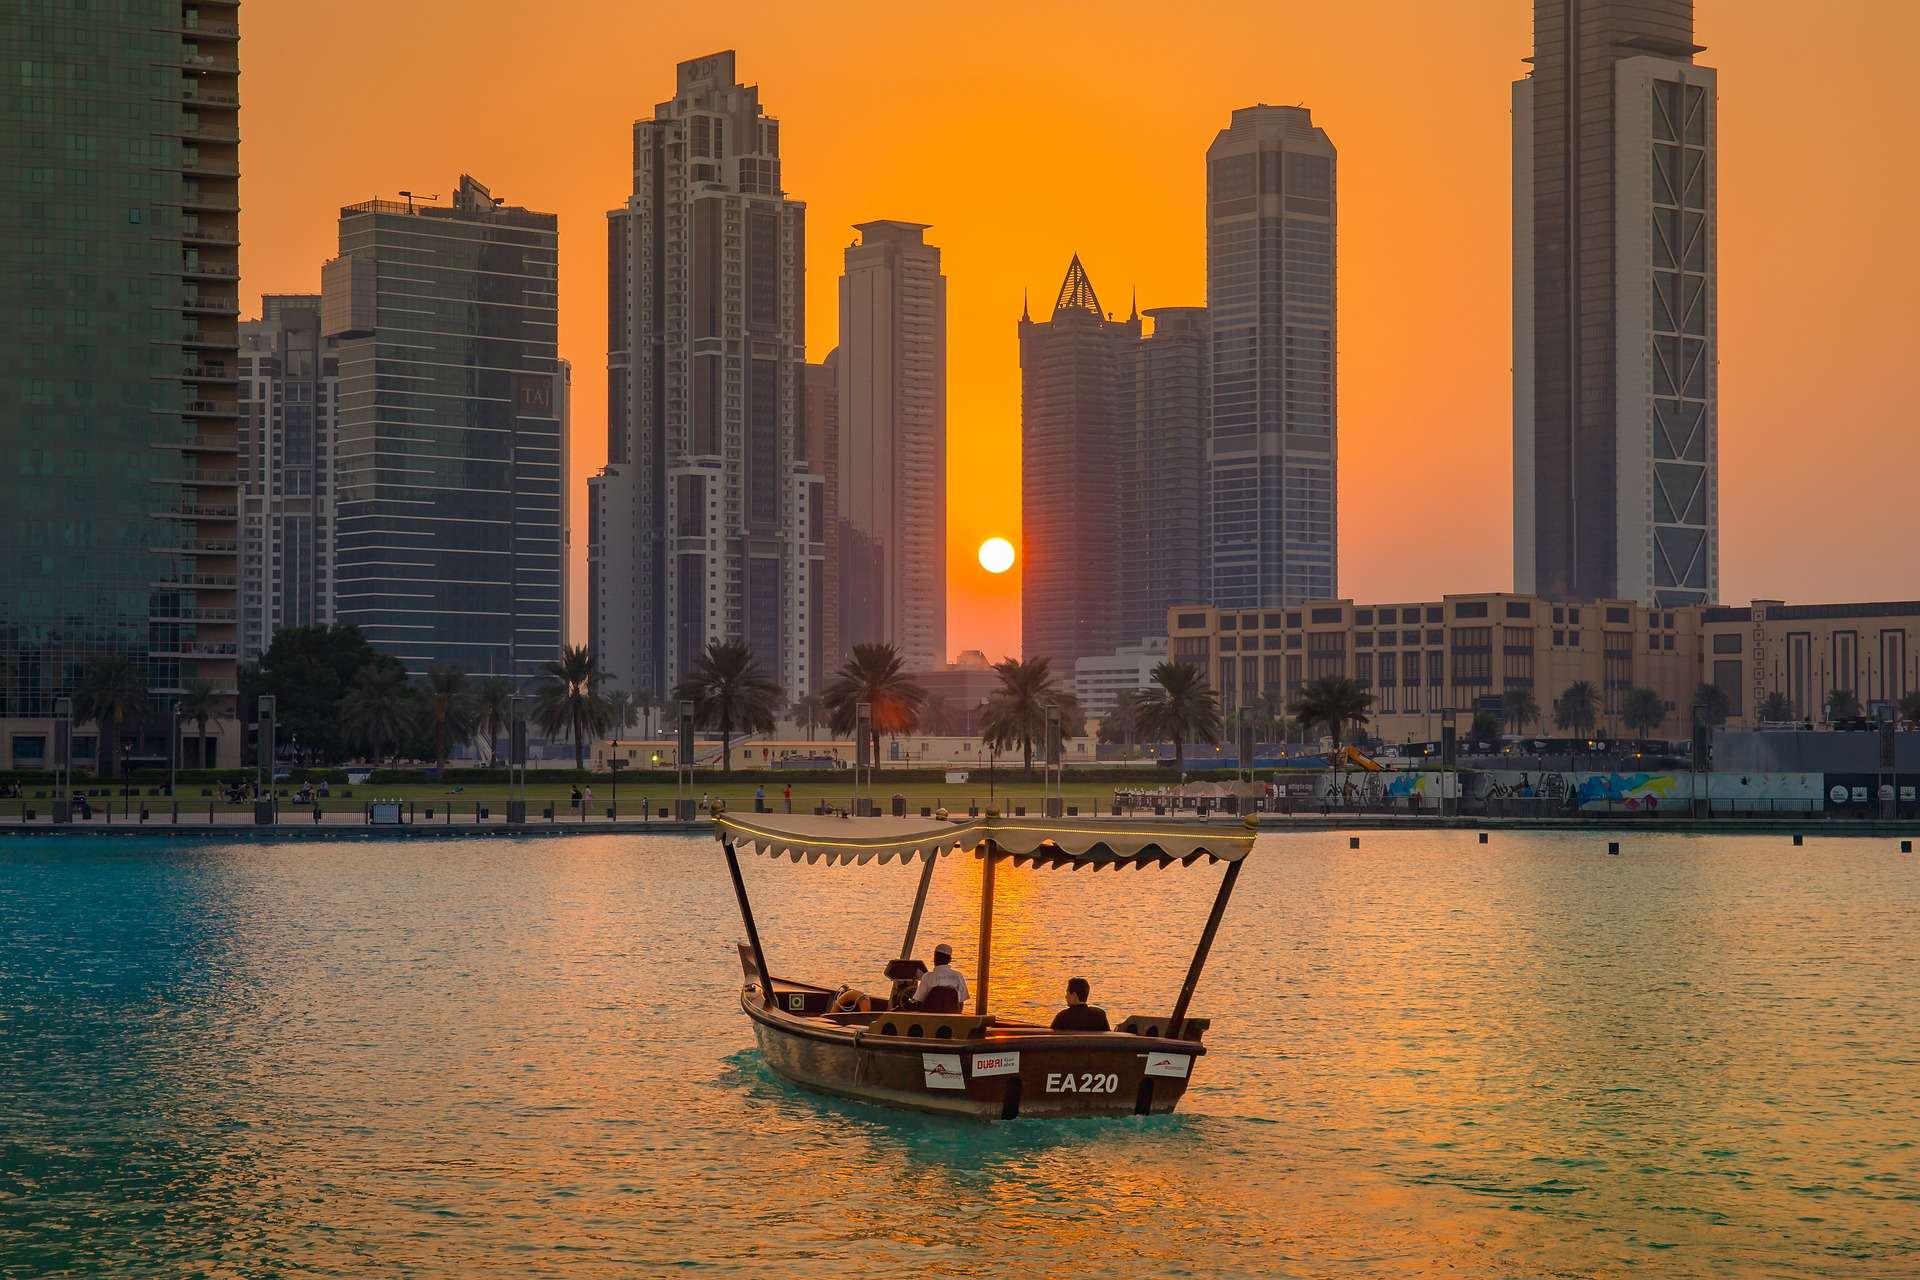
(1363, 617)
(1327, 615)
(1519, 609)
(1470, 609)
(1727, 642)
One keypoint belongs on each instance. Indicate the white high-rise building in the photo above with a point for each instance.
(702, 524)
(289, 425)
(891, 474)
(1272, 243)
(1616, 345)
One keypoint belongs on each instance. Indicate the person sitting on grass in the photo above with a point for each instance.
(1079, 1015)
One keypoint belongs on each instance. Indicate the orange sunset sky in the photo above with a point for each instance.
(1027, 132)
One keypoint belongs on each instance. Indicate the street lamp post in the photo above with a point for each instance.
(173, 749)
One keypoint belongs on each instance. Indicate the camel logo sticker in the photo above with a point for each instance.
(943, 1071)
(1168, 1064)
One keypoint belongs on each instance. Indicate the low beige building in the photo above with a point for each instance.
(1459, 654)
(1807, 651)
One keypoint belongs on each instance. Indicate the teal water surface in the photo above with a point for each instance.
(524, 1057)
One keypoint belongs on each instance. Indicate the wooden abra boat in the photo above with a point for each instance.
(975, 1064)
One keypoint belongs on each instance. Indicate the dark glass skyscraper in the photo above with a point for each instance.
(1272, 235)
(1161, 475)
(1076, 410)
(119, 237)
(451, 431)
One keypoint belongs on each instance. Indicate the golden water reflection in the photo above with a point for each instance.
(524, 1057)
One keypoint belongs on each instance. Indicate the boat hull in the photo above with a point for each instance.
(995, 1077)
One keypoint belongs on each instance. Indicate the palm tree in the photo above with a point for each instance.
(1016, 713)
(203, 704)
(1272, 706)
(936, 716)
(379, 707)
(112, 691)
(1715, 706)
(729, 692)
(1333, 701)
(449, 708)
(1842, 704)
(1643, 710)
(874, 674)
(1121, 725)
(1180, 706)
(493, 712)
(1910, 707)
(623, 711)
(1520, 708)
(1777, 708)
(809, 712)
(569, 700)
(1578, 708)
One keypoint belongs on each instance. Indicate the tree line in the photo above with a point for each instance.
(337, 697)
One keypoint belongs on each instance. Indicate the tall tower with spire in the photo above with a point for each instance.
(1076, 411)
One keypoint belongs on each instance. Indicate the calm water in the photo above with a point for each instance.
(513, 1058)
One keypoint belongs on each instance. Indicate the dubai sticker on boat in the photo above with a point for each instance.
(996, 1064)
(942, 1071)
(1168, 1064)
(1083, 1082)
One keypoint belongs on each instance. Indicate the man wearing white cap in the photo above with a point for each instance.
(942, 977)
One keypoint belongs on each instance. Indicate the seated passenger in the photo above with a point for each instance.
(1079, 1015)
(941, 989)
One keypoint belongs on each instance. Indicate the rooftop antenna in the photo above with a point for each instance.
(411, 198)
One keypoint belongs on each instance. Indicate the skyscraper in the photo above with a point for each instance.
(706, 502)
(448, 507)
(1271, 248)
(1615, 394)
(1161, 475)
(119, 242)
(823, 461)
(892, 470)
(1076, 407)
(289, 401)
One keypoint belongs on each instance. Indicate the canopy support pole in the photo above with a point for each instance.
(919, 904)
(986, 930)
(746, 917)
(1175, 1023)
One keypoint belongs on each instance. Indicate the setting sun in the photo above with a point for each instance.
(996, 555)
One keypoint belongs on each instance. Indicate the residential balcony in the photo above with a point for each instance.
(200, 479)
(215, 237)
(210, 202)
(209, 373)
(214, 31)
(199, 444)
(185, 613)
(201, 168)
(209, 409)
(198, 581)
(213, 547)
(197, 511)
(208, 271)
(205, 304)
(194, 649)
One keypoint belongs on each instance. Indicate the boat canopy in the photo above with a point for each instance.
(1054, 842)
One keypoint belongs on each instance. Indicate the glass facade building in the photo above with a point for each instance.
(1271, 249)
(119, 218)
(449, 527)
